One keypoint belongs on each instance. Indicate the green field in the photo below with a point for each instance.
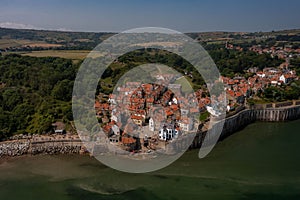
(11, 43)
(185, 84)
(69, 54)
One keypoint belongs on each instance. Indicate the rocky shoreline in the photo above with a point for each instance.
(32, 145)
(14, 148)
(71, 144)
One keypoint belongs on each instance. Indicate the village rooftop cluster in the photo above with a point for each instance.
(166, 111)
(163, 112)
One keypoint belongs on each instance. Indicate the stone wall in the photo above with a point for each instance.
(32, 147)
(14, 148)
(56, 147)
(243, 118)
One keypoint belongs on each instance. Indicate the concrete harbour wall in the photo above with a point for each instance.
(245, 117)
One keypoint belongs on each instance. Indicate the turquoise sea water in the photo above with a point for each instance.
(260, 162)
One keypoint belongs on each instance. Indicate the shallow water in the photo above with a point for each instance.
(260, 162)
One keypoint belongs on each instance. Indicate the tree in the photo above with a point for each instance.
(10, 99)
(21, 116)
(273, 93)
(63, 90)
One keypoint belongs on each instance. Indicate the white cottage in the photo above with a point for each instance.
(168, 134)
(186, 124)
(151, 124)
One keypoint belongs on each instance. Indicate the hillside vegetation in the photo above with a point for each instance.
(34, 93)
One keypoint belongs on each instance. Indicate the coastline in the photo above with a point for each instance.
(276, 112)
(71, 144)
(273, 112)
(41, 144)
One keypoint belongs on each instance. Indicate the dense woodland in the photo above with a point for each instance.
(34, 93)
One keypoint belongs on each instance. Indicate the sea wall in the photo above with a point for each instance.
(56, 147)
(247, 116)
(273, 113)
(14, 148)
(269, 113)
(41, 145)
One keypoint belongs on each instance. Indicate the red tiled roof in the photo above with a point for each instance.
(244, 90)
(106, 128)
(201, 105)
(194, 110)
(174, 107)
(230, 92)
(137, 117)
(97, 104)
(150, 100)
(206, 100)
(128, 140)
(230, 82)
(112, 96)
(238, 94)
(168, 111)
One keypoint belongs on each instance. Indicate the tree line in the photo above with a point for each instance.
(34, 92)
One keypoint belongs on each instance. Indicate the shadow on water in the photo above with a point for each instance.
(77, 193)
(262, 196)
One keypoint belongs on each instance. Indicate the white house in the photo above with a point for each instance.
(186, 124)
(274, 82)
(282, 78)
(228, 108)
(114, 118)
(274, 71)
(261, 75)
(212, 111)
(151, 124)
(168, 134)
(112, 100)
(116, 129)
(184, 111)
(175, 101)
